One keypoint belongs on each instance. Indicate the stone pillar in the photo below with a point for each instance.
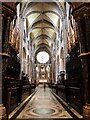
(3, 61)
(45, 72)
(52, 74)
(5, 35)
(81, 13)
(2, 108)
(7, 13)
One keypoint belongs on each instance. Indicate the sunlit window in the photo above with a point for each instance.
(42, 57)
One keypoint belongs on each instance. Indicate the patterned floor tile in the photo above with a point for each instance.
(43, 105)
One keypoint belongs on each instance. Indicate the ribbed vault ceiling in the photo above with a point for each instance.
(43, 21)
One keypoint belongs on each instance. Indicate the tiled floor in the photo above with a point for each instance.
(43, 105)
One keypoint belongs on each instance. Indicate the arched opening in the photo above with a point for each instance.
(42, 61)
(54, 43)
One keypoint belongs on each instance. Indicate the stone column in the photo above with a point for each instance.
(7, 12)
(45, 71)
(3, 60)
(81, 13)
(52, 72)
(2, 108)
(5, 35)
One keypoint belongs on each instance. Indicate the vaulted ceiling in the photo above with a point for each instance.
(43, 21)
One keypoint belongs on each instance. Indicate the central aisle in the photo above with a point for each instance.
(43, 105)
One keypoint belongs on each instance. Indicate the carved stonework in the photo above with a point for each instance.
(86, 111)
(81, 13)
(14, 37)
(80, 10)
(2, 112)
(9, 56)
(8, 8)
